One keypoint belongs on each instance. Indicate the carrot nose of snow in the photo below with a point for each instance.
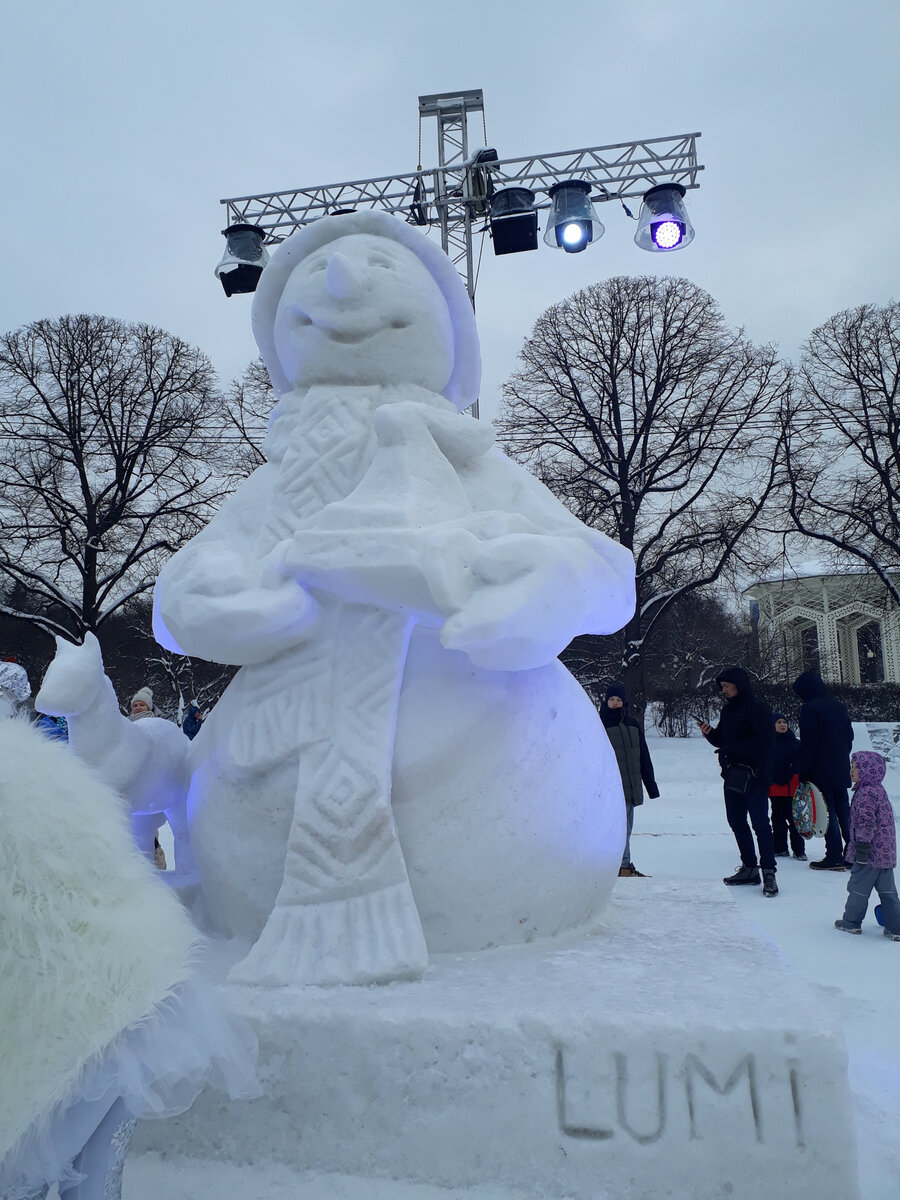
(343, 277)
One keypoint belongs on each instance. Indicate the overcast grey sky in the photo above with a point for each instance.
(125, 124)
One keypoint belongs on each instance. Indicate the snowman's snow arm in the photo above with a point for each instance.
(532, 578)
(217, 600)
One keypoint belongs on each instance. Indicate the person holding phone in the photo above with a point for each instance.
(744, 740)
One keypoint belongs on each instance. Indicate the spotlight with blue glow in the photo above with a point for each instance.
(664, 224)
(573, 223)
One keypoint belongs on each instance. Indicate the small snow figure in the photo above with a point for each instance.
(144, 758)
(380, 509)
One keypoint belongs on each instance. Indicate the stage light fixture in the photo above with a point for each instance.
(664, 224)
(245, 257)
(573, 223)
(514, 221)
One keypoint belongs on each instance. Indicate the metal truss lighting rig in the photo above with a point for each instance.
(471, 187)
(473, 191)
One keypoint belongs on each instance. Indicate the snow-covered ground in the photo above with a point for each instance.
(683, 835)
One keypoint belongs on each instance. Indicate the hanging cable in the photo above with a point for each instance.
(418, 210)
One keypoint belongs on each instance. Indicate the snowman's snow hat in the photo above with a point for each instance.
(465, 378)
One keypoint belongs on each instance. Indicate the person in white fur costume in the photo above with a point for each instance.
(102, 1016)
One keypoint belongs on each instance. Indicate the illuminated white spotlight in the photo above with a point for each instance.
(573, 223)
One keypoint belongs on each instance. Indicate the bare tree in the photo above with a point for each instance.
(692, 641)
(175, 679)
(110, 454)
(843, 439)
(651, 420)
(248, 405)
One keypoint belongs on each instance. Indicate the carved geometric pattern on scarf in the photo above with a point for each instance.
(329, 444)
(345, 912)
(343, 834)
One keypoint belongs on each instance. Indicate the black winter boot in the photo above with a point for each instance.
(770, 887)
(743, 875)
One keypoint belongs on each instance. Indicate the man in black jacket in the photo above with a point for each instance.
(826, 739)
(744, 738)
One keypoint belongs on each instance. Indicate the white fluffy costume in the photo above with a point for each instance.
(380, 510)
(99, 1002)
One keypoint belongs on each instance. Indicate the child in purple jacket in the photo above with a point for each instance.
(872, 848)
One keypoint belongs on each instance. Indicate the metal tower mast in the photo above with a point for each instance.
(453, 181)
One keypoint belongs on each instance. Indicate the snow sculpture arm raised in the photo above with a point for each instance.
(217, 600)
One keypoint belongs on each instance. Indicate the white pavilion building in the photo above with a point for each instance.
(844, 624)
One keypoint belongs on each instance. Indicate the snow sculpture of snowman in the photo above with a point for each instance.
(401, 763)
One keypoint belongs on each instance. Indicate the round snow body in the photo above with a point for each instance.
(507, 800)
(506, 797)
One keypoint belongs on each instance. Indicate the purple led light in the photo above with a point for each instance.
(667, 234)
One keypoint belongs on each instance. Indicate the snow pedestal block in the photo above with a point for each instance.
(669, 1053)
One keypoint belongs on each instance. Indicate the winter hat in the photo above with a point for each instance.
(872, 767)
(144, 694)
(15, 680)
(613, 716)
(809, 686)
(465, 378)
(739, 677)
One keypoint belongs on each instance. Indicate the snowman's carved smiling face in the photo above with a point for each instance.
(363, 309)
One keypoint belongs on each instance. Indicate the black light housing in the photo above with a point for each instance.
(573, 223)
(514, 221)
(245, 257)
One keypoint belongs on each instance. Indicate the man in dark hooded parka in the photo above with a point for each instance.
(826, 739)
(744, 737)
